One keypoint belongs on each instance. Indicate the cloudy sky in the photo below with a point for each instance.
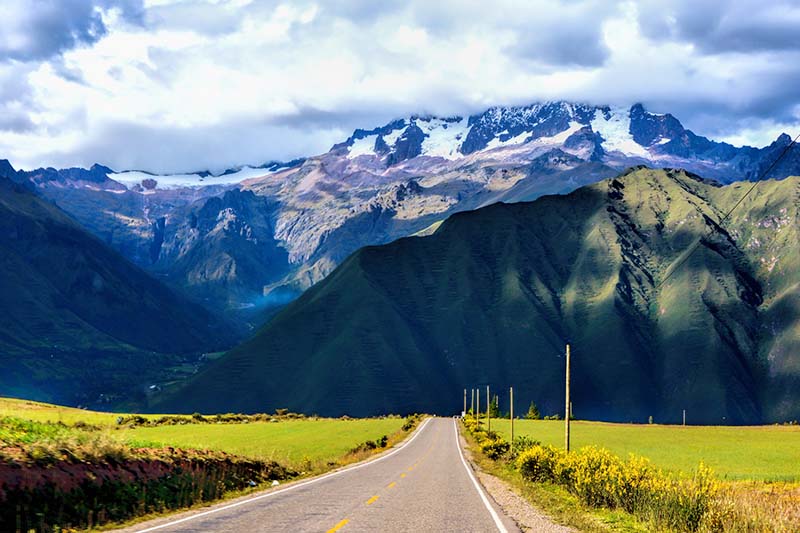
(176, 85)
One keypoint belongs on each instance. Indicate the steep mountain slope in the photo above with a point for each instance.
(374, 187)
(198, 232)
(79, 319)
(493, 295)
(226, 251)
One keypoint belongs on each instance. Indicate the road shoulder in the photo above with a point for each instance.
(527, 517)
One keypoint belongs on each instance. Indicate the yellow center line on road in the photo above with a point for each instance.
(412, 467)
(391, 485)
(338, 526)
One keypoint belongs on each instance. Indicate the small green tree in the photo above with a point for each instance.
(494, 407)
(533, 412)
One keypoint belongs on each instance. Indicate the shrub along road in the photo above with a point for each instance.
(423, 485)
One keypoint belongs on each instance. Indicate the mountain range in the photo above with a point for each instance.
(216, 255)
(249, 239)
(493, 295)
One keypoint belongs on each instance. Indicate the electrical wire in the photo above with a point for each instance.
(727, 215)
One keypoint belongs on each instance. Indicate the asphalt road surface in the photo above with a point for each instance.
(424, 485)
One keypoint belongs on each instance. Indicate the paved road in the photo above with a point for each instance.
(425, 485)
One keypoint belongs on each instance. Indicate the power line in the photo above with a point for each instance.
(696, 243)
(763, 175)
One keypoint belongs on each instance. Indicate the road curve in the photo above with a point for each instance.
(424, 485)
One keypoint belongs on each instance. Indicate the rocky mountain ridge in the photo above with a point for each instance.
(314, 212)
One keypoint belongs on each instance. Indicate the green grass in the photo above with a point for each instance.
(40, 435)
(559, 505)
(762, 453)
(290, 442)
(45, 412)
(15, 431)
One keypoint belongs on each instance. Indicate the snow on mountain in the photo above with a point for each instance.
(519, 139)
(614, 126)
(440, 137)
(391, 138)
(452, 138)
(560, 138)
(443, 137)
(363, 146)
(138, 179)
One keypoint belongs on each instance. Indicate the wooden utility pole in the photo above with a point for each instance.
(488, 410)
(478, 410)
(472, 402)
(465, 403)
(567, 407)
(511, 414)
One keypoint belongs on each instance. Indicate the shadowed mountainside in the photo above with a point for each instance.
(79, 319)
(492, 296)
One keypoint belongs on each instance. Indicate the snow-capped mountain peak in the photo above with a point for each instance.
(429, 136)
(627, 132)
(614, 128)
(290, 224)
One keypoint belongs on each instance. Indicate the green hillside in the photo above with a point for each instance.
(493, 295)
(79, 320)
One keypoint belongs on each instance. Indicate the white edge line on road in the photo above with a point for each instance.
(497, 521)
(291, 487)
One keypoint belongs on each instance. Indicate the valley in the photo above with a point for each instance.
(236, 248)
(82, 324)
(255, 255)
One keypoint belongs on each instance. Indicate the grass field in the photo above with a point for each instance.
(763, 453)
(290, 442)
(164, 463)
(45, 412)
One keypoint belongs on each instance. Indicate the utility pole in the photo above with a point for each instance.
(684, 417)
(464, 412)
(511, 415)
(472, 402)
(478, 410)
(488, 410)
(567, 407)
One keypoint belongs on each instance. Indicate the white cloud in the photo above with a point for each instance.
(275, 80)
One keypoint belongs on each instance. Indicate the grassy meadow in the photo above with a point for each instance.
(628, 477)
(87, 468)
(761, 453)
(291, 442)
(45, 412)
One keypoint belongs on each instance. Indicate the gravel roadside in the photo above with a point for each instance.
(515, 506)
